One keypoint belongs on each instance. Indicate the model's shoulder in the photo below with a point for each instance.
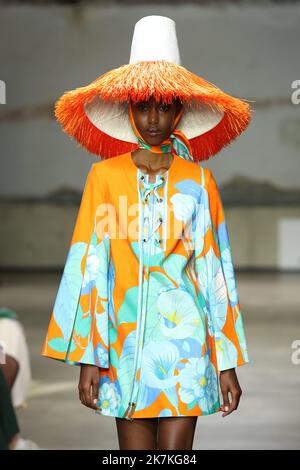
(202, 173)
(210, 182)
(205, 175)
(109, 164)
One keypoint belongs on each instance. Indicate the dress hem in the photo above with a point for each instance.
(145, 417)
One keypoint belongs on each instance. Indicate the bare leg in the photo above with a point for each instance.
(176, 433)
(139, 434)
(10, 370)
(9, 427)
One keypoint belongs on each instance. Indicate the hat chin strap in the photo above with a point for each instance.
(112, 118)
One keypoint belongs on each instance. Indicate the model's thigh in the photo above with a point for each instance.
(176, 433)
(139, 434)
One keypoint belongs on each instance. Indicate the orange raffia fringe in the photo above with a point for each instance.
(139, 81)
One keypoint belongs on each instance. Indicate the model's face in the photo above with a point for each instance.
(149, 115)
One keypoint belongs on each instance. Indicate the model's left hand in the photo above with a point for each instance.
(229, 383)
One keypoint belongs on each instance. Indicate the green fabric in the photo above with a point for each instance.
(175, 143)
(8, 313)
(9, 426)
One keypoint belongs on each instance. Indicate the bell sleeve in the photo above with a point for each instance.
(217, 283)
(78, 329)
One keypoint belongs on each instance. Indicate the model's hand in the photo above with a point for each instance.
(89, 379)
(229, 383)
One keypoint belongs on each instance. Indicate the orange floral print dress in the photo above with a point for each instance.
(148, 291)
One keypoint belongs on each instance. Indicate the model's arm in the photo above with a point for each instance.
(229, 384)
(78, 329)
(225, 310)
(232, 348)
(88, 385)
(217, 282)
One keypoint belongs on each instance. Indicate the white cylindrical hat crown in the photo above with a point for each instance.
(154, 38)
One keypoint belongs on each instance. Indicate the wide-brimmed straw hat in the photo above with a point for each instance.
(97, 116)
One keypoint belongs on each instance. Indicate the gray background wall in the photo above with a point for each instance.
(250, 51)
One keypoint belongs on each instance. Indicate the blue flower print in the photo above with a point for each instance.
(198, 383)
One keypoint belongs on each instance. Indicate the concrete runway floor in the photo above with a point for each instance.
(268, 416)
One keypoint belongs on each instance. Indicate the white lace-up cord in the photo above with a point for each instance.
(148, 189)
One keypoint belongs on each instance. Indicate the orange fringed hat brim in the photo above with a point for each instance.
(139, 81)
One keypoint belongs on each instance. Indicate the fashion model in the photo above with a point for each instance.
(147, 305)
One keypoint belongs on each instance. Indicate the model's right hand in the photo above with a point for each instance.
(89, 385)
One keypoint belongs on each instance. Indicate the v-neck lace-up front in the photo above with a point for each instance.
(152, 203)
(152, 206)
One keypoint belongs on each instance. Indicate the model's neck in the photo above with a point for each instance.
(152, 163)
